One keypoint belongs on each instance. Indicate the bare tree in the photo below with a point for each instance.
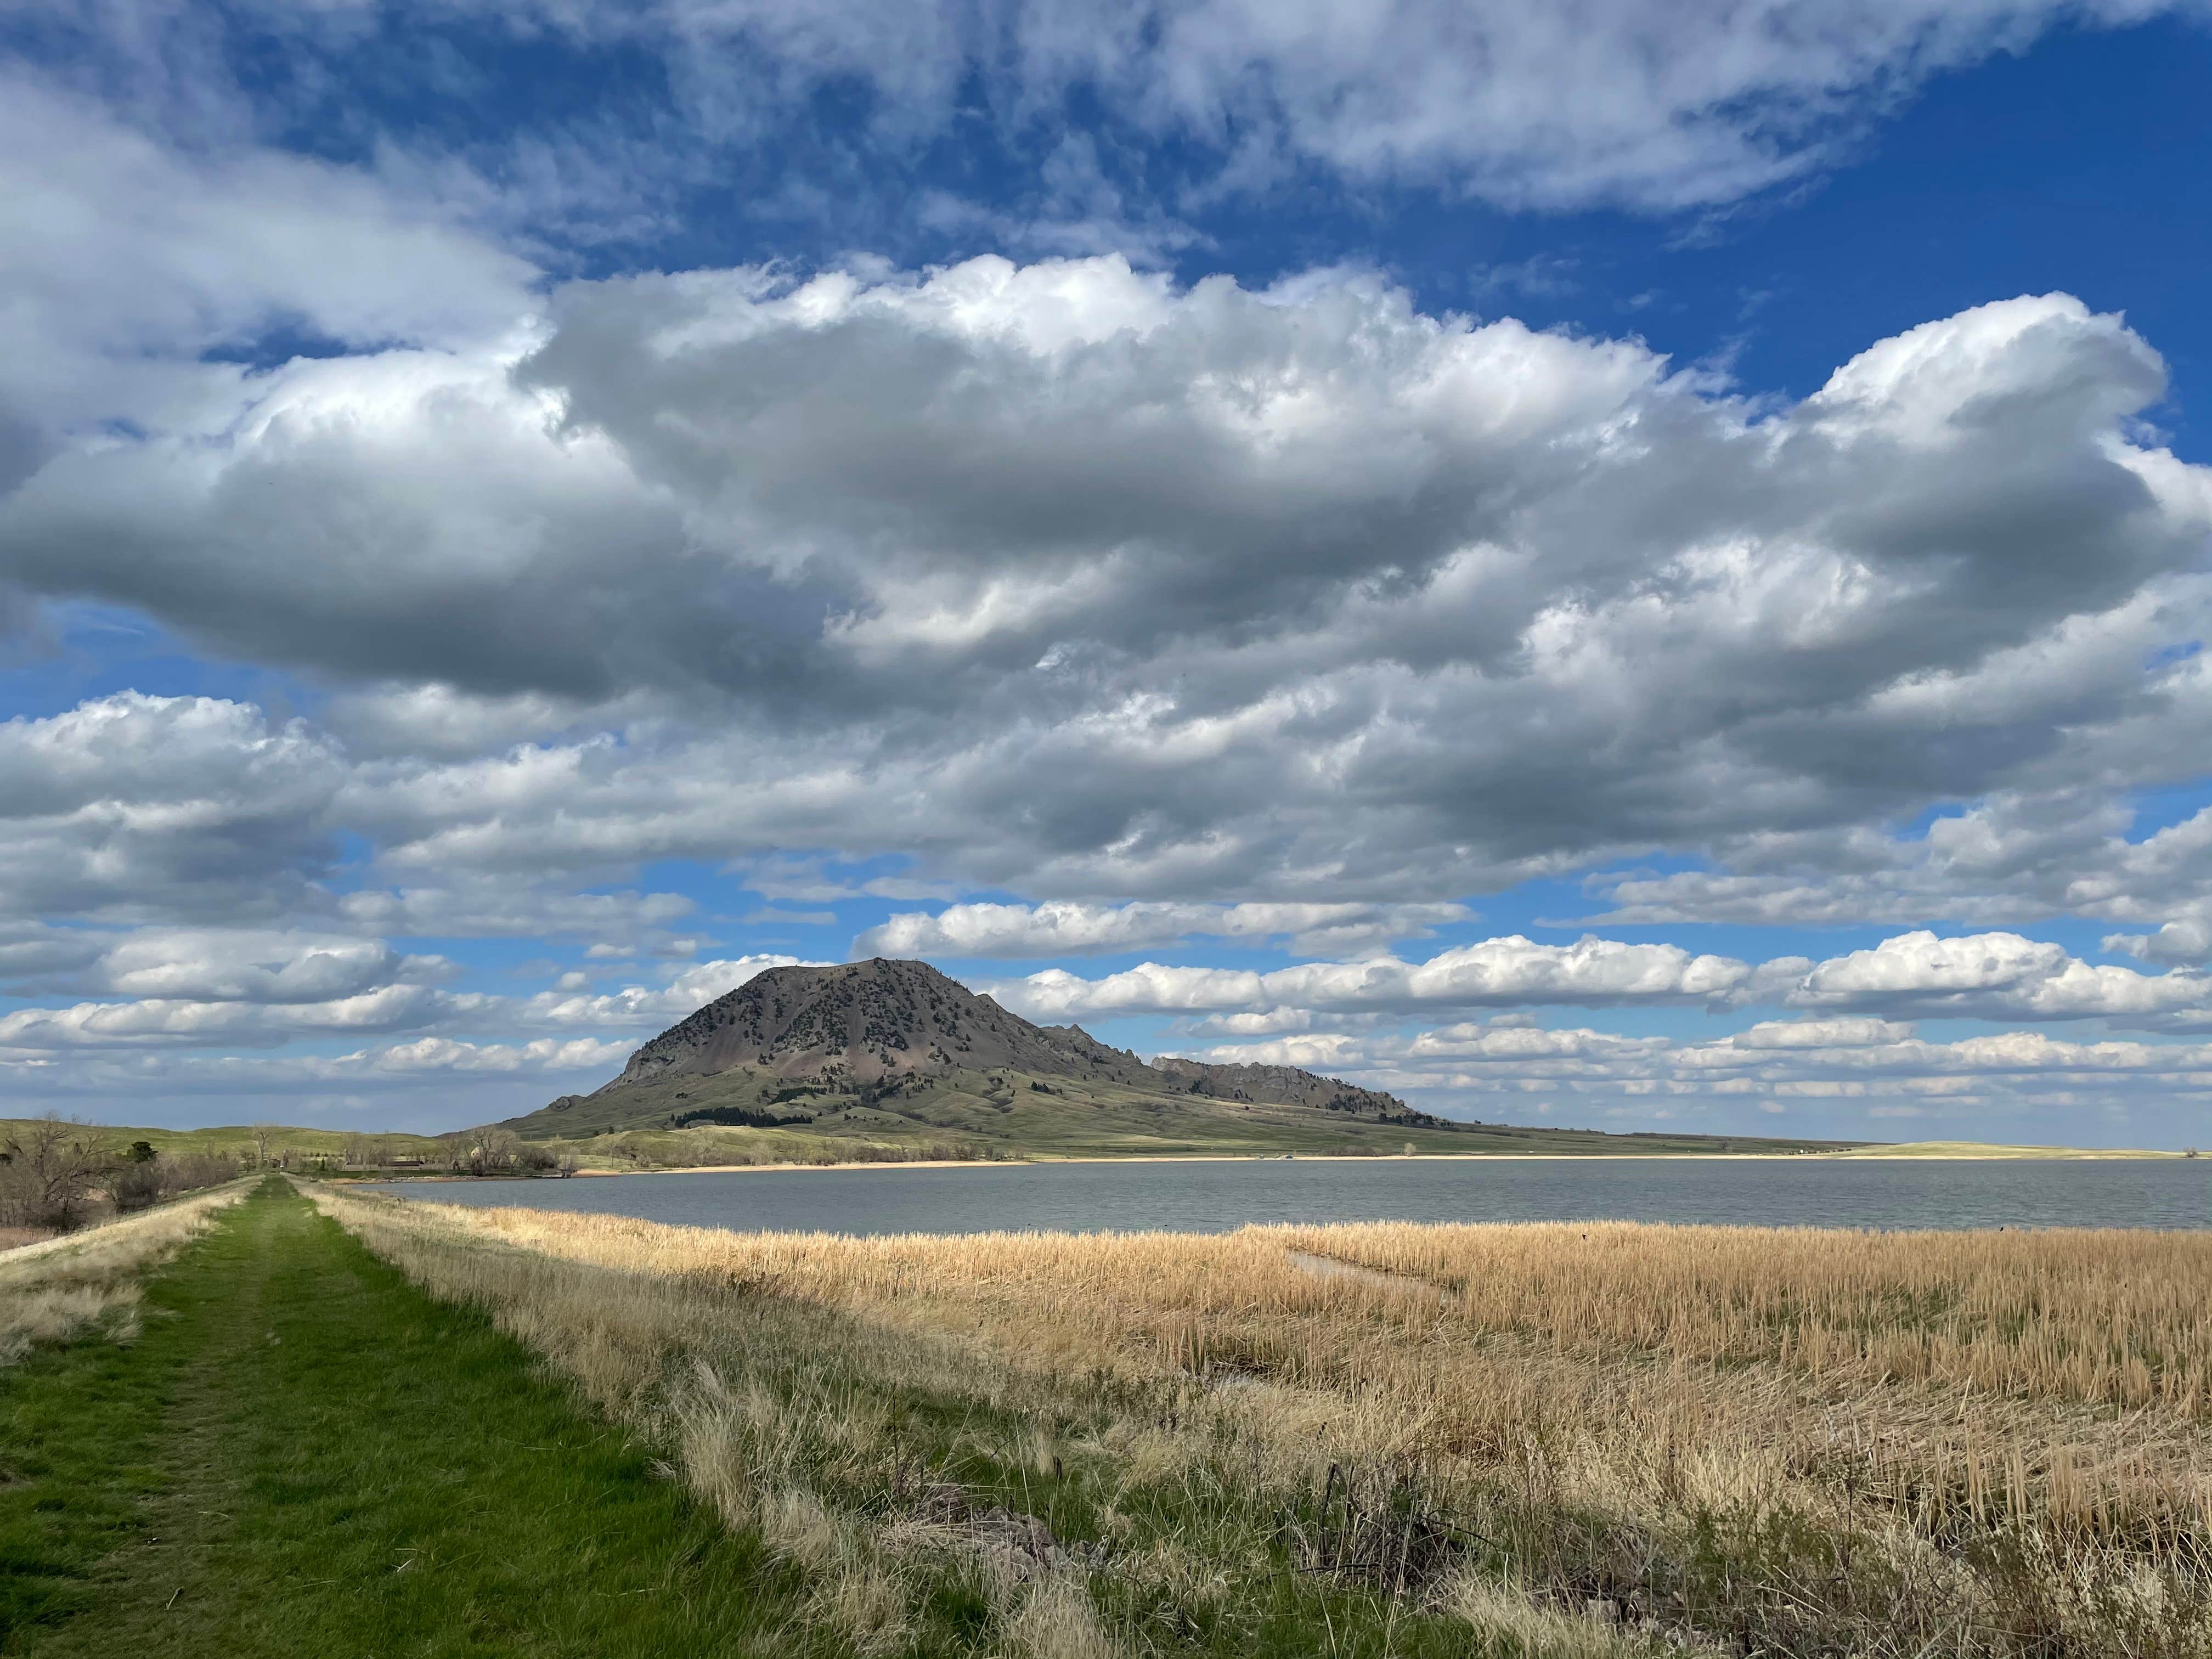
(263, 1134)
(49, 1171)
(495, 1151)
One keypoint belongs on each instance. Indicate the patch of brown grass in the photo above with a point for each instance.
(58, 1289)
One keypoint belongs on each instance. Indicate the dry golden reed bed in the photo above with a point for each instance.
(1576, 1439)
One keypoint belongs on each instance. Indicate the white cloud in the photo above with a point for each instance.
(238, 965)
(1512, 971)
(130, 808)
(1069, 928)
(640, 1007)
(1632, 102)
(128, 258)
(2003, 976)
(169, 1022)
(395, 1065)
(1062, 579)
(1994, 976)
(2022, 1084)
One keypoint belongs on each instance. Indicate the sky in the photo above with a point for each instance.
(1626, 564)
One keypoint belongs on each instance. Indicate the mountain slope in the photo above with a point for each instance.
(861, 1023)
(1279, 1085)
(895, 1053)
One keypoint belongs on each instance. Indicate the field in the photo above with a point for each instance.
(1602, 1439)
(232, 1429)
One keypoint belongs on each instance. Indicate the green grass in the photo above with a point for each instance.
(236, 1140)
(303, 1455)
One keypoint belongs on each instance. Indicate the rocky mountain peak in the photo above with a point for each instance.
(863, 1021)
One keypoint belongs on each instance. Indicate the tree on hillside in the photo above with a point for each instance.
(263, 1134)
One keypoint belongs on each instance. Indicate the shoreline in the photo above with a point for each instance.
(2024, 1155)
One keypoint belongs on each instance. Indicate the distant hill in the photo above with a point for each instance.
(896, 1052)
(862, 1023)
(1280, 1085)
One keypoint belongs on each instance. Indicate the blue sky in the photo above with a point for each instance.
(1649, 569)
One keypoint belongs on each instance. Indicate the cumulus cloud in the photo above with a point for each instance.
(2018, 856)
(392, 1065)
(647, 1007)
(129, 259)
(1065, 579)
(214, 988)
(164, 1021)
(1068, 928)
(1983, 976)
(2004, 976)
(236, 965)
(1862, 1073)
(492, 907)
(131, 808)
(1511, 971)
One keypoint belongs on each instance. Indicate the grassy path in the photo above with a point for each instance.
(303, 1454)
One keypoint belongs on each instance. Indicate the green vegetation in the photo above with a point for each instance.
(1005, 1112)
(303, 1455)
(254, 1144)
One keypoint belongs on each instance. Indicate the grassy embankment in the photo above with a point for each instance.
(60, 1289)
(1560, 1439)
(300, 1453)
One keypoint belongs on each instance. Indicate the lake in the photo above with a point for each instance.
(1214, 1197)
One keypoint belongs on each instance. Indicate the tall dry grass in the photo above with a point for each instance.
(62, 1289)
(2113, 1317)
(1793, 1442)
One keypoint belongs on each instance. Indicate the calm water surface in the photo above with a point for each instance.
(1200, 1197)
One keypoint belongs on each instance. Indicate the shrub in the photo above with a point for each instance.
(135, 1185)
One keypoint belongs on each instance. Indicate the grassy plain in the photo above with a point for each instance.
(1390, 1439)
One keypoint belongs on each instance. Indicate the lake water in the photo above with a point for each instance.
(1214, 1197)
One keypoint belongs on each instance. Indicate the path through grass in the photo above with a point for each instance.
(303, 1454)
